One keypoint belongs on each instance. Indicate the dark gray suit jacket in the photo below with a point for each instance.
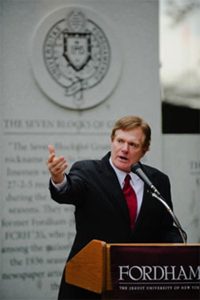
(101, 212)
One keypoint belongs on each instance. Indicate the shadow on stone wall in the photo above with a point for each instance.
(180, 119)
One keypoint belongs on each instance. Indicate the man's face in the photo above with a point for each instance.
(127, 148)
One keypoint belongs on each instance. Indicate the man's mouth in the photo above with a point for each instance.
(123, 158)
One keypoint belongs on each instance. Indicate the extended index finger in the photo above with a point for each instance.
(51, 149)
(51, 153)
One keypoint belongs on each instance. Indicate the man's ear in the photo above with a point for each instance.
(145, 150)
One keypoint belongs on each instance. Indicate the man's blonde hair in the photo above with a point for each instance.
(130, 122)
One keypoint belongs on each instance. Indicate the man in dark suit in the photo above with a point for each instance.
(95, 188)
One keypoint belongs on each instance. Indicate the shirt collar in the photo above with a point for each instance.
(121, 174)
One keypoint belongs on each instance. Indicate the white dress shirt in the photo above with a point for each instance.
(136, 183)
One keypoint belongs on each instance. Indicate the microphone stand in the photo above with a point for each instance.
(181, 231)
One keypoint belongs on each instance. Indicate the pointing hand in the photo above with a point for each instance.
(56, 165)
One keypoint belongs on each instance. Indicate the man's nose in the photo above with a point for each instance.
(125, 147)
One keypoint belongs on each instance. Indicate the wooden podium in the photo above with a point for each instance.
(137, 271)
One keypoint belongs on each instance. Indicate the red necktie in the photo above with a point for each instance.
(131, 200)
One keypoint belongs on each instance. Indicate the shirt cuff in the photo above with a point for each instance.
(60, 186)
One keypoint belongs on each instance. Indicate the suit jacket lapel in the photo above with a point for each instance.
(114, 189)
(146, 202)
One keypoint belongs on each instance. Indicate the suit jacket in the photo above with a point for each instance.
(101, 211)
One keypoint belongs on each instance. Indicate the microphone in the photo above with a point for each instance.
(136, 168)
